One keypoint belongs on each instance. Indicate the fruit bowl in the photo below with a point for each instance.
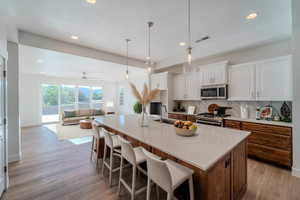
(185, 128)
(185, 132)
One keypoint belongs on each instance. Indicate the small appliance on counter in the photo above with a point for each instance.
(244, 111)
(286, 112)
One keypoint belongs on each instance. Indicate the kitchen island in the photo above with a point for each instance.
(217, 155)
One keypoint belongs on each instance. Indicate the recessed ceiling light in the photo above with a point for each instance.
(251, 16)
(74, 37)
(91, 1)
(40, 61)
(182, 43)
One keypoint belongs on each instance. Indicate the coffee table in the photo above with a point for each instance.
(85, 124)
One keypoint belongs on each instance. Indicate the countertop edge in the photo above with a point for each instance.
(275, 123)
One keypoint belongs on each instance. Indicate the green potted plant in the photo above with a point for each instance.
(138, 108)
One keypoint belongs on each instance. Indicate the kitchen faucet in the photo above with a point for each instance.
(161, 111)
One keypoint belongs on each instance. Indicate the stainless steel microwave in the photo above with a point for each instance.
(214, 92)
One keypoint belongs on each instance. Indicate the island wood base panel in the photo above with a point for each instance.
(225, 180)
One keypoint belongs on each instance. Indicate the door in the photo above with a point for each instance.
(274, 79)
(3, 127)
(241, 85)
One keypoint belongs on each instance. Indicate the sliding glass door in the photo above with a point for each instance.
(57, 98)
(68, 97)
(50, 109)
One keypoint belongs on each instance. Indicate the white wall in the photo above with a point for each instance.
(296, 102)
(14, 139)
(255, 53)
(31, 99)
(129, 100)
(3, 41)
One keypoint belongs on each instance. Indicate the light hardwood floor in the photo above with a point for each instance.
(52, 169)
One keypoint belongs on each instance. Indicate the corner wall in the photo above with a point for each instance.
(296, 84)
(13, 122)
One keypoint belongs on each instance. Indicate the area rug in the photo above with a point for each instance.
(70, 132)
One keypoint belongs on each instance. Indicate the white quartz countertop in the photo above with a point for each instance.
(276, 123)
(202, 150)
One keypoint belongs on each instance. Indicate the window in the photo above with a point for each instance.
(57, 98)
(68, 97)
(97, 94)
(121, 97)
(97, 97)
(50, 110)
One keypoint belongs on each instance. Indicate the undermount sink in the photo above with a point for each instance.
(166, 121)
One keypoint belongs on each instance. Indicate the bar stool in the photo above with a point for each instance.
(112, 142)
(168, 175)
(96, 143)
(135, 157)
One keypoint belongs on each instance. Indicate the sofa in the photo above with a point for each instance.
(74, 116)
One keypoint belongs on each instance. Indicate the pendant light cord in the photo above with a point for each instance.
(189, 23)
(127, 41)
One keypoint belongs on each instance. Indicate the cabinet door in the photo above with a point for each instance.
(178, 87)
(274, 79)
(242, 82)
(154, 81)
(163, 81)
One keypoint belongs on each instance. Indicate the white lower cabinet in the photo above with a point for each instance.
(268, 80)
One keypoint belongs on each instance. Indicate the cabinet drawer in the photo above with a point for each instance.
(271, 140)
(232, 124)
(274, 155)
(267, 128)
(191, 118)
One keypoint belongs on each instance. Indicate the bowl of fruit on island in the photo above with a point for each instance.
(185, 128)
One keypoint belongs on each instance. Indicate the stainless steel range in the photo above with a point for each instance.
(211, 119)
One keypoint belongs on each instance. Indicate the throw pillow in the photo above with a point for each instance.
(99, 112)
(69, 113)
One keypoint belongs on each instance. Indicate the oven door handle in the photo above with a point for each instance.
(207, 122)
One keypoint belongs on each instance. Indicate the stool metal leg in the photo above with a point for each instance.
(92, 150)
(104, 158)
(148, 189)
(121, 172)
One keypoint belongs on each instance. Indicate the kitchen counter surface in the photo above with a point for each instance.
(261, 121)
(201, 150)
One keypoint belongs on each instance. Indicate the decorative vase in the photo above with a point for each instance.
(144, 122)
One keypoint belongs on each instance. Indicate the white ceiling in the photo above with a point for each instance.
(51, 63)
(106, 24)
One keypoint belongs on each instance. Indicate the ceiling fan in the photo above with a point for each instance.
(86, 77)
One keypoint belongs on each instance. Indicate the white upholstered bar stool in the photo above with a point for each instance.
(168, 175)
(135, 157)
(98, 134)
(112, 142)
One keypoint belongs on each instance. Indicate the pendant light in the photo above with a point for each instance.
(148, 58)
(189, 49)
(127, 71)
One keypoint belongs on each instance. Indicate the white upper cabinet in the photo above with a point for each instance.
(268, 80)
(179, 87)
(214, 74)
(159, 81)
(186, 86)
(241, 84)
(274, 79)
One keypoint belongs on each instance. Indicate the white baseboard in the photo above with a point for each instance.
(296, 172)
(14, 157)
(30, 126)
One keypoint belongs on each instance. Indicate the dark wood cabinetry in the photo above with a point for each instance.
(184, 117)
(267, 142)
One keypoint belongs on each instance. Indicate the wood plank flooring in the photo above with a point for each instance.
(52, 169)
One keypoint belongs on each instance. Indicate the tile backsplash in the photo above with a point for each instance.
(201, 106)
